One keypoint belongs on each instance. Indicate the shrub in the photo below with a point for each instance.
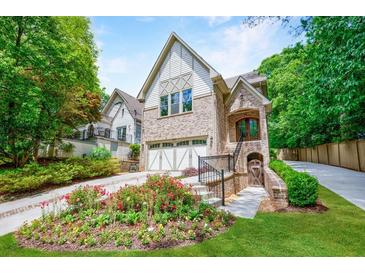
(34, 176)
(100, 153)
(302, 187)
(189, 172)
(135, 150)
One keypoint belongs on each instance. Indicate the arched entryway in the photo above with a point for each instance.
(255, 169)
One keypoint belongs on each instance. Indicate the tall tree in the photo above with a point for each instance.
(319, 95)
(48, 81)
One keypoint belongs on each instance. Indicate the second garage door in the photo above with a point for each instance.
(176, 155)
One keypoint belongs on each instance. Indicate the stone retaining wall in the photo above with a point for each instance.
(276, 187)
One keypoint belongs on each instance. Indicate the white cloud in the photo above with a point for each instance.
(238, 49)
(217, 20)
(100, 30)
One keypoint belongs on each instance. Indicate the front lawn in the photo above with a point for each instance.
(340, 231)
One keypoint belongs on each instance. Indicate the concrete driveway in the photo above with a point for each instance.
(347, 183)
(13, 214)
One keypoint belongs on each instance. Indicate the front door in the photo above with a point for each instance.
(255, 173)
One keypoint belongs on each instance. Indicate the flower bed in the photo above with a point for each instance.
(160, 213)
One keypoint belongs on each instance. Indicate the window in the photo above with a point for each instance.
(122, 133)
(138, 134)
(175, 103)
(154, 146)
(182, 143)
(123, 112)
(254, 132)
(199, 142)
(248, 128)
(187, 101)
(107, 133)
(164, 105)
(167, 144)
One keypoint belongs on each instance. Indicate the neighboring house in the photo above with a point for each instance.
(190, 110)
(119, 127)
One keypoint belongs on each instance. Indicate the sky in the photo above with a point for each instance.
(129, 46)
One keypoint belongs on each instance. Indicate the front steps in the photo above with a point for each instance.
(201, 192)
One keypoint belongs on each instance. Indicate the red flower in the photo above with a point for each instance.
(120, 205)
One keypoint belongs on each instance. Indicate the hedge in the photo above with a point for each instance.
(34, 176)
(302, 187)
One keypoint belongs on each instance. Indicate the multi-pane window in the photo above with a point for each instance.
(182, 143)
(122, 133)
(164, 105)
(175, 103)
(167, 144)
(154, 146)
(248, 128)
(199, 142)
(187, 102)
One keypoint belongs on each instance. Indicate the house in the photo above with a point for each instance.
(119, 127)
(190, 110)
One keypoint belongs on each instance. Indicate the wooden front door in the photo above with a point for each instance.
(255, 173)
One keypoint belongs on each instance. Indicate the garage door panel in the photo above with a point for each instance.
(167, 159)
(182, 158)
(153, 159)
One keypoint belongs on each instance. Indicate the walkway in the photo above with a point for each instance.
(14, 213)
(347, 183)
(247, 203)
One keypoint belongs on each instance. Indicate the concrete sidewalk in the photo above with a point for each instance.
(347, 183)
(247, 203)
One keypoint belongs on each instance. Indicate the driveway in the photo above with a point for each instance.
(347, 183)
(13, 214)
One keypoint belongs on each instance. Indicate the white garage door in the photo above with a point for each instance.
(176, 155)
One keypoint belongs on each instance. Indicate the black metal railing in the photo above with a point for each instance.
(211, 177)
(237, 151)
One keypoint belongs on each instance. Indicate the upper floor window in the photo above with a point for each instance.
(248, 128)
(177, 102)
(164, 105)
(187, 102)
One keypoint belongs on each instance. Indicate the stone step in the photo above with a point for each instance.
(199, 188)
(205, 195)
(216, 202)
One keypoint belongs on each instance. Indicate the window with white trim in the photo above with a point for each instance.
(154, 146)
(182, 143)
(199, 142)
(167, 144)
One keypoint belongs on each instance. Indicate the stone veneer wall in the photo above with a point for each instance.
(198, 123)
(247, 105)
(276, 187)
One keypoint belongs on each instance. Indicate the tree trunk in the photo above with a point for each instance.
(36, 145)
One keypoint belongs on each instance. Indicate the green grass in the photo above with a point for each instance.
(338, 232)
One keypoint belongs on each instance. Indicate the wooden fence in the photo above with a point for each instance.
(350, 154)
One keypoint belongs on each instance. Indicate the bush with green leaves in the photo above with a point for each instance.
(35, 176)
(135, 150)
(302, 187)
(100, 153)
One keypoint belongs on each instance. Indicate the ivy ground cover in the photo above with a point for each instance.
(160, 213)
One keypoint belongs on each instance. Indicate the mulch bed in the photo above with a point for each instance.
(166, 242)
(318, 208)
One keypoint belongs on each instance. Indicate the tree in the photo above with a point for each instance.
(48, 81)
(317, 88)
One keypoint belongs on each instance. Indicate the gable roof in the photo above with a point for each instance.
(134, 107)
(165, 50)
(241, 80)
(251, 77)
